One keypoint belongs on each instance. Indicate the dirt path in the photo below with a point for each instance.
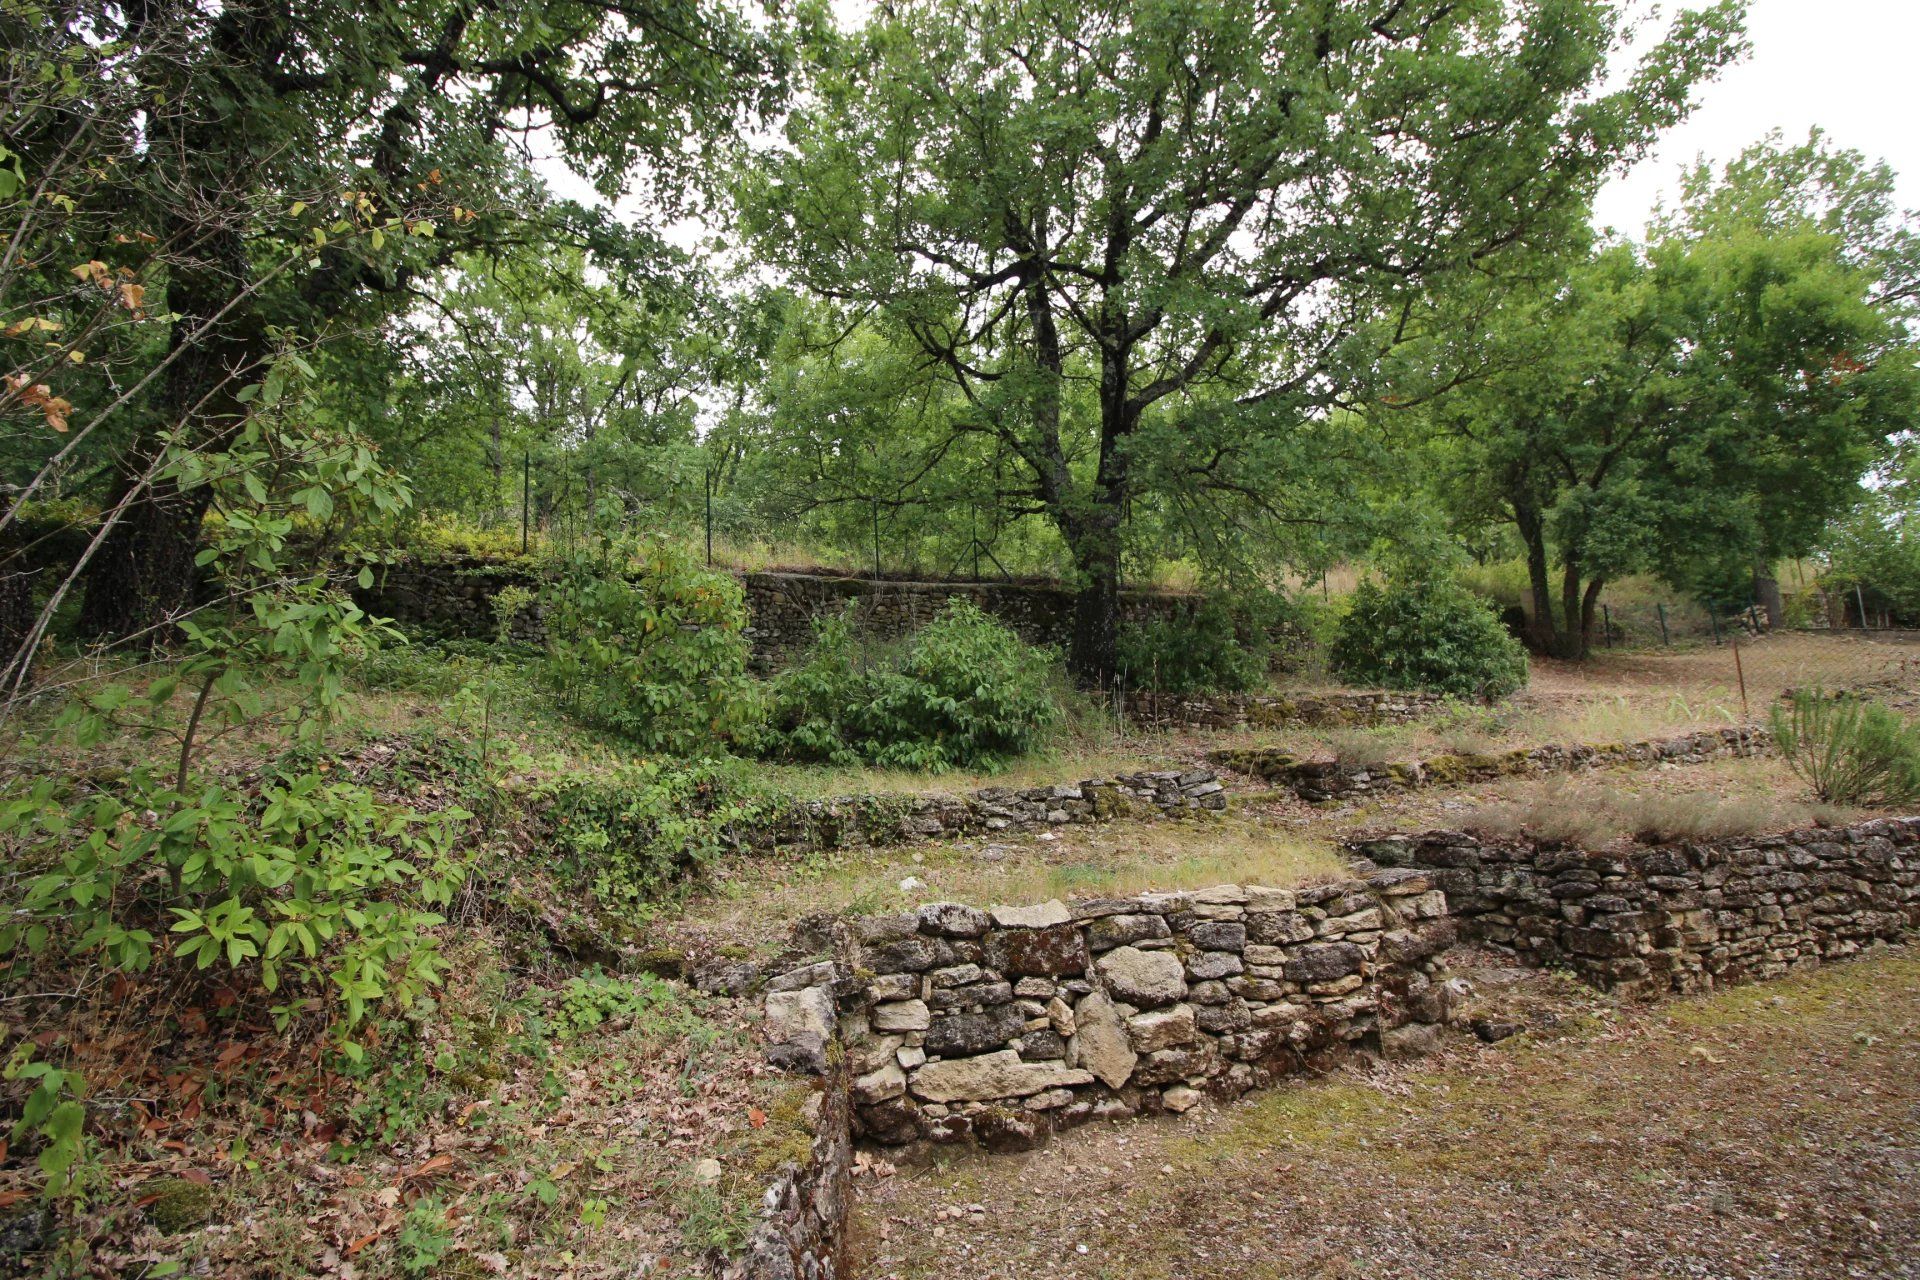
(1768, 1131)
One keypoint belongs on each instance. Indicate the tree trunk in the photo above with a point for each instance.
(1094, 654)
(1533, 532)
(1589, 608)
(1766, 589)
(1572, 642)
(143, 575)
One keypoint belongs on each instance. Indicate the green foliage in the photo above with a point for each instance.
(631, 830)
(1427, 633)
(1218, 646)
(1064, 247)
(311, 880)
(1699, 406)
(1876, 551)
(655, 1008)
(426, 1237)
(55, 1112)
(963, 692)
(645, 643)
(1849, 750)
(303, 879)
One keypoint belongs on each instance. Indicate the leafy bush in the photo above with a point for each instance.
(1218, 646)
(647, 644)
(1850, 751)
(312, 880)
(963, 692)
(630, 831)
(1427, 633)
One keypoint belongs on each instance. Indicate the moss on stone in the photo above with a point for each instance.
(180, 1205)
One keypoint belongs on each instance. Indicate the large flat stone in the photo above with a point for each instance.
(1162, 1028)
(958, 1035)
(1043, 916)
(1052, 952)
(992, 1076)
(1100, 1042)
(1144, 978)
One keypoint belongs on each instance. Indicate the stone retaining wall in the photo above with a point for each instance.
(801, 1234)
(782, 608)
(1000, 1026)
(1680, 917)
(1327, 780)
(858, 821)
(1271, 711)
(452, 598)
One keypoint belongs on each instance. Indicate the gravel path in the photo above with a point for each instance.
(1768, 1131)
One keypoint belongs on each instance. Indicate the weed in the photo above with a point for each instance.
(425, 1237)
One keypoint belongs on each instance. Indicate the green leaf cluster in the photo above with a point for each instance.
(1849, 750)
(963, 692)
(1426, 632)
(644, 642)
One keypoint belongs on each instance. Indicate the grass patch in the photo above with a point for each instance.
(754, 901)
(1595, 811)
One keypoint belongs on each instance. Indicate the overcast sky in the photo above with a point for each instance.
(1845, 65)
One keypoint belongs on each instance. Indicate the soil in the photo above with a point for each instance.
(1766, 1131)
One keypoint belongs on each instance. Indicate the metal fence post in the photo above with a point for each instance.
(1713, 622)
(1606, 621)
(1661, 609)
(526, 496)
(1741, 673)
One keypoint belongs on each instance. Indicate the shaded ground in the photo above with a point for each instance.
(1768, 1131)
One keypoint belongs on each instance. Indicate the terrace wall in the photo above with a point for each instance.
(1681, 917)
(452, 598)
(862, 820)
(1000, 1026)
(1326, 780)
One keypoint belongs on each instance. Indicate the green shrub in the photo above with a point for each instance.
(645, 643)
(1427, 633)
(963, 692)
(315, 883)
(631, 831)
(1850, 751)
(1218, 646)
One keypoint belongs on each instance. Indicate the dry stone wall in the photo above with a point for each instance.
(801, 1234)
(1682, 917)
(1327, 780)
(957, 1024)
(451, 597)
(856, 821)
(1271, 711)
(782, 608)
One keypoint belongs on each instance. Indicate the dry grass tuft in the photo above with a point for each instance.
(1589, 817)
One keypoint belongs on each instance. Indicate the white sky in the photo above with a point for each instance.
(1845, 65)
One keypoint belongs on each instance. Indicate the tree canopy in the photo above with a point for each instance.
(1151, 246)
